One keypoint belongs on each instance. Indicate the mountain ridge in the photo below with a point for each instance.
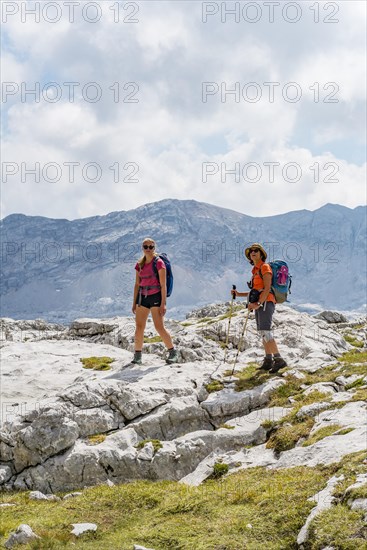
(62, 269)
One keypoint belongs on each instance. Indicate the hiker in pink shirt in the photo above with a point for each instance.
(150, 293)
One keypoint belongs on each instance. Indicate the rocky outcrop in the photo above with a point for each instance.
(332, 317)
(158, 421)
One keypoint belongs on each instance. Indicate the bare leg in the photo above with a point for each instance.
(159, 326)
(270, 347)
(141, 316)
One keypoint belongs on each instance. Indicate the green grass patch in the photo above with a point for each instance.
(345, 431)
(187, 324)
(96, 439)
(338, 527)
(227, 315)
(214, 386)
(167, 515)
(353, 341)
(286, 436)
(321, 434)
(227, 426)
(97, 363)
(355, 384)
(152, 339)
(360, 395)
(279, 397)
(155, 442)
(354, 356)
(205, 320)
(249, 377)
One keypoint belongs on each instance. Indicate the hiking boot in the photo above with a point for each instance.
(172, 357)
(267, 364)
(137, 358)
(279, 363)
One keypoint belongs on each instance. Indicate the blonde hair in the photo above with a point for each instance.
(142, 260)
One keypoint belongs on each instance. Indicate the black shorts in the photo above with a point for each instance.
(152, 300)
(264, 318)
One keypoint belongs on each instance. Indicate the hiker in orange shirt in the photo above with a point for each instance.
(262, 301)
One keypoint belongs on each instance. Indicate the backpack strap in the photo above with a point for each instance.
(271, 291)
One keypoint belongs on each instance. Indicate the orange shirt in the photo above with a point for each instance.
(258, 281)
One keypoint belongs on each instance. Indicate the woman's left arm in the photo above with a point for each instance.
(162, 282)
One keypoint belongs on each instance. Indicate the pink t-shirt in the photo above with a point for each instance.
(148, 277)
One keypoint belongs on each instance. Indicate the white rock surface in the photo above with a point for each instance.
(37, 495)
(47, 448)
(359, 504)
(80, 528)
(324, 500)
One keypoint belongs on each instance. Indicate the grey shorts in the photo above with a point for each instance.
(264, 318)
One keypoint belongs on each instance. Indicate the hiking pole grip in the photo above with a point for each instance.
(233, 295)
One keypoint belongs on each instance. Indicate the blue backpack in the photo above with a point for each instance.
(169, 274)
(281, 281)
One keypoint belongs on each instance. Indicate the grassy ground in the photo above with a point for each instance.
(254, 509)
(97, 363)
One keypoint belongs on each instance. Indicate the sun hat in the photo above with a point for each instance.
(255, 245)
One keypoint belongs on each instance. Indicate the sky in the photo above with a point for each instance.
(259, 107)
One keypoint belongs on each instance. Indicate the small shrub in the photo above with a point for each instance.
(268, 424)
(97, 363)
(220, 469)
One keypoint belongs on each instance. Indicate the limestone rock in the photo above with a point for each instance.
(80, 528)
(332, 317)
(324, 500)
(22, 535)
(147, 452)
(322, 387)
(359, 504)
(37, 495)
(313, 409)
(72, 495)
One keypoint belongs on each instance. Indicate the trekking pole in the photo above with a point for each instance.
(229, 323)
(241, 339)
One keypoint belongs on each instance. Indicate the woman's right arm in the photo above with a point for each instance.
(136, 291)
(239, 294)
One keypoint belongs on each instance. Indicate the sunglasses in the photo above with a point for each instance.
(254, 250)
(150, 246)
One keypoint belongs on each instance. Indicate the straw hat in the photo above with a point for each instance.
(255, 245)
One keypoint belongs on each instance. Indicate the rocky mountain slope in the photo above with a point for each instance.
(61, 269)
(201, 418)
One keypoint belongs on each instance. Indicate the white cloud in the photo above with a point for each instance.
(169, 133)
